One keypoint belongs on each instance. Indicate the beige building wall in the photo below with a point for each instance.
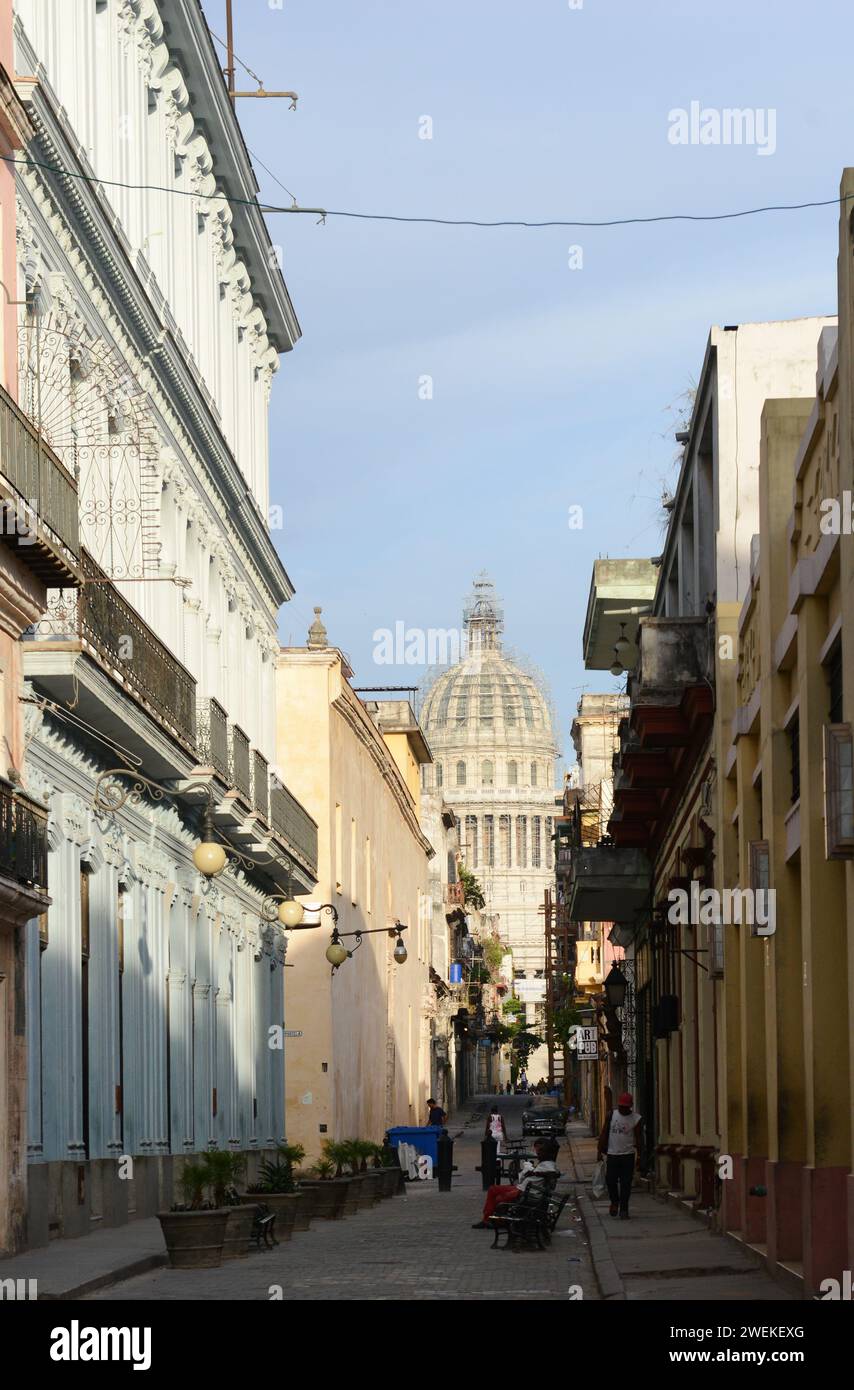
(362, 1063)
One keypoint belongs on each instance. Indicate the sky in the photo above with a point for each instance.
(559, 359)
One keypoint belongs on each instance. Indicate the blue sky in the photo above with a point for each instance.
(552, 387)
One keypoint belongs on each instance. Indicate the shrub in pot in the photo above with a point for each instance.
(341, 1153)
(194, 1230)
(224, 1170)
(329, 1192)
(276, 1187)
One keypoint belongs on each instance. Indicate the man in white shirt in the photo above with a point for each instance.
(619, 1143)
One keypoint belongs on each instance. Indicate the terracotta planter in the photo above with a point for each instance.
(194, 1239)
(330, 1196)
(237, 1233)
(284, 1204)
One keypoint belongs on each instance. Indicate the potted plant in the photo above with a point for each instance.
(344, 1156)
(223, 1171)
(276, 1186)
(376, 1172)
(392, 1172)
(194, 1230)
(329, 1192)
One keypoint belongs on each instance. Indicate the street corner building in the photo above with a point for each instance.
(363, 1056)
(732, 790)
(139, 621)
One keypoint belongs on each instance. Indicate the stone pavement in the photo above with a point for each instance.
(74, 1268)
(416, 1246)
(662, 1253)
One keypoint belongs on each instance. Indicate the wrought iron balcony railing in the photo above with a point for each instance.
(240, 764)
(292, 822)
(213, 736)
(42, 515)
(110, 631)
(261, 785)
(23, 839)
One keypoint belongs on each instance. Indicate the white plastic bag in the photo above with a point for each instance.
(598, 1185)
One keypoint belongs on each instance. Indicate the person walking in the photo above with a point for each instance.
(619, 1144)
(435, 1114)
(547, 1151)
(496, 1127)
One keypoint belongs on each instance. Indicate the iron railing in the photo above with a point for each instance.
(261, 784)
(213, 736)
(23, 839)
(292, 822)
(113, 633)
(32, 468)
(240, 765)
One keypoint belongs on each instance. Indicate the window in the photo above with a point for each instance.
(504, 840)
(521, 842)
(834, 682)
(793, 734)
(512, 774)
(368, 884)
(760, 875)
(533, 774)
(838, 792)
(536, 849)
(486, 706)
(487, 775)
(353, 862)
(440, 774)
(489, 841)
(550, 851)
(462, 709)
(470, 850)
(339, 848)
(461, 774)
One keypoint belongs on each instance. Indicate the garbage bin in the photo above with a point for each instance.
(424, 1138)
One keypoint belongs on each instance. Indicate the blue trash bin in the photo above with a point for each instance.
(424, 1138)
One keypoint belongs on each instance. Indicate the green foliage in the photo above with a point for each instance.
(223, 1170)
(472, 891)
(275, 1176)
(291, 1153)
(193, 1180)
(323, 1168)
(493, 952)
(512, 1005)
(525, 1043)
(563, 1021)
(339, 1153)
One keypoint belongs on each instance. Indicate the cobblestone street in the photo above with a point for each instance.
(416, 1246)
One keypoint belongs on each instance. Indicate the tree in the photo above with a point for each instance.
(472, 891)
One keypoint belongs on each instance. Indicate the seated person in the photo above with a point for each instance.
(547, 1151)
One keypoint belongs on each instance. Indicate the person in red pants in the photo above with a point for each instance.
(546, 1151)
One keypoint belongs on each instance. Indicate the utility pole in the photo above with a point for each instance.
(229, 71)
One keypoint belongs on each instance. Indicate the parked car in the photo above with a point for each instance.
(544, 1121)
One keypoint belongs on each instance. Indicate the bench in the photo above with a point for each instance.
(264, 1227)
(532, 1217)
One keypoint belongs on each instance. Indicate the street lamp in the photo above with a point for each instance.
(210, 856)
(615, 987)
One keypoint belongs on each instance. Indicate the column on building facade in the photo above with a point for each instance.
(182, 920)
(61, 1014)
(101, 862)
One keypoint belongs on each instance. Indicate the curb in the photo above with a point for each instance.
(608, 1278)
(105, 1281)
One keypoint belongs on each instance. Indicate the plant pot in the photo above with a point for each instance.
(376, 1178)
(284, 1204)
(194, 1239)
(373, 1186)
(237, 1232)
(354, 1194)
(330, 1195)
(305, 1208)
(395, 1180)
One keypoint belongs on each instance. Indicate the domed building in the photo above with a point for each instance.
(489, 726)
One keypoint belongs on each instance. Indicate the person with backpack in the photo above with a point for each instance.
(619, 1144)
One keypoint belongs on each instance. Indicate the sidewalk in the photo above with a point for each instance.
(75, 1268)
(661, 1253)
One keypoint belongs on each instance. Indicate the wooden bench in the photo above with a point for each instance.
(531, 1218)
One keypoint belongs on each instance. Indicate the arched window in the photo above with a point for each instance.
(440, 775)
(533, 774)
(512, 774)
(487, 776)
(461, 774)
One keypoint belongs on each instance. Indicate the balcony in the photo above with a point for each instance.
(212, 725)
(92, 651)
(261, 785)
(609, 884)
(293, 824)
(672, 709)
(39, 497)
(23, 839)
(240, 764)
